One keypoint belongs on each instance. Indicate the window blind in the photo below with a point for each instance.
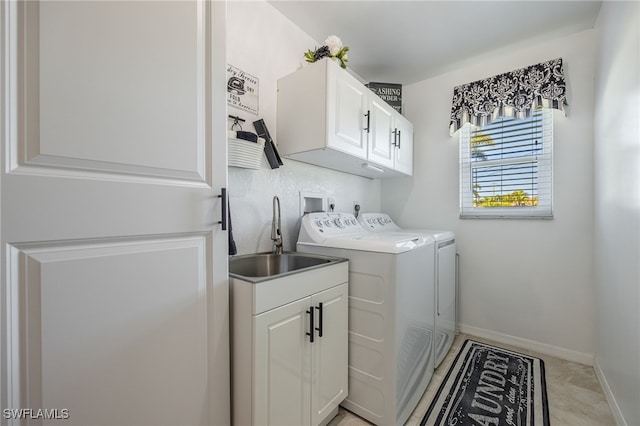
(506, 168)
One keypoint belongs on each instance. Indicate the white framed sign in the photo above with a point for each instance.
(242, 90)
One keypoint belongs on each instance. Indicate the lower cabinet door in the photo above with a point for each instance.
(282, 364)
(329, 352)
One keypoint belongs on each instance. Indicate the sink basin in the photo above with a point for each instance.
(262, 265)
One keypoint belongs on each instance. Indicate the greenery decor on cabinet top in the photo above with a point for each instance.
(332, 48)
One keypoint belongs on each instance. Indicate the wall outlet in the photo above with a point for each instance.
(356, 208)
(331, 204)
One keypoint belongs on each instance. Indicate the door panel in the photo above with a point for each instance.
(114, 267)
(404, 146)
(103, 100)
(349, 135)
(380, 142)
(330, 353)
(282, 365)
(102, 322)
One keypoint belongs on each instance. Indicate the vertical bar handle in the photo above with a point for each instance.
(395, 137)
(320, 312)
(399, 138)
(457, 290)
(311, 328)
(437, 289)
(437, 297)
(368, 115)
(223, 208)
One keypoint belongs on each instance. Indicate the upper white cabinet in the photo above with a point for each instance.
(328, 118)
(350, 99)
(381, 131)
(403, 142)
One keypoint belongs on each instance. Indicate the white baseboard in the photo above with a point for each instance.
(543, 348)
(615, 409)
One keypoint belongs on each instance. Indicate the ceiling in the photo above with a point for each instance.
(408, 41)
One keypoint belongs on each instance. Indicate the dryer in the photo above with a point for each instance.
(391, 312)
(445, 281)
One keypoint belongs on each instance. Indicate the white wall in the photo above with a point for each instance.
(262, 42)
(617, 207)
(530, 281)
(527, 278)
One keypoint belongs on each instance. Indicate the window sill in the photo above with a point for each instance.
(505, 216)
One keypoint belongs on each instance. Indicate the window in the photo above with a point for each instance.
(506, 168)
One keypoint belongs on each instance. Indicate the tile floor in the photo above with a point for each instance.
(573, 391)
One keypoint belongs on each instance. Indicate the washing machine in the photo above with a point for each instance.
(445, 281)
(391, 312)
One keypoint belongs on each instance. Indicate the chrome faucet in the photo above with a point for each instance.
(276, 233)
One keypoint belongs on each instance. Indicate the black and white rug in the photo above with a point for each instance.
(491, 386)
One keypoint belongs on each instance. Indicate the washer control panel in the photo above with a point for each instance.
(332, 224)
(344, 231)
(377, 222)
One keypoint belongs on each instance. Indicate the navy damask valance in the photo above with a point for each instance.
(514, 94)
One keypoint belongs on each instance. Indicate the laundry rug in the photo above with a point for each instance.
(491, 386)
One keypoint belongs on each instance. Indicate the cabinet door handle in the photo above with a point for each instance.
(399, 138)
(311, 328)
(368, 115)
(320, 311)
(223, 208)
(395, 137)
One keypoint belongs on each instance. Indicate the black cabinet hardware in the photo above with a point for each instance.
(311, 328)
(320, 311)
(223, 208)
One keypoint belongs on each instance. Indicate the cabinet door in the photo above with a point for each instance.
(347, 119)
(281, 365)
(404, 146)
(329, 352)
(381, 137)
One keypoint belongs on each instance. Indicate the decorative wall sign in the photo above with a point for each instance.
(242, 90)
(391, 93)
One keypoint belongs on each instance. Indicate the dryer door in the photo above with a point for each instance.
(445, 299)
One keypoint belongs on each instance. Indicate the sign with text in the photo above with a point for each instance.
(242, 90)
(389, 92)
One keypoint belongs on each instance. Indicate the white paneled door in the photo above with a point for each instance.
(114, 300)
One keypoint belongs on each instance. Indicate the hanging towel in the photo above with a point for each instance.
(247, 136)
(232, 244)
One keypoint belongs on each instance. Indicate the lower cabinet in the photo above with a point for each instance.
(299, 381)
(296, 373)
